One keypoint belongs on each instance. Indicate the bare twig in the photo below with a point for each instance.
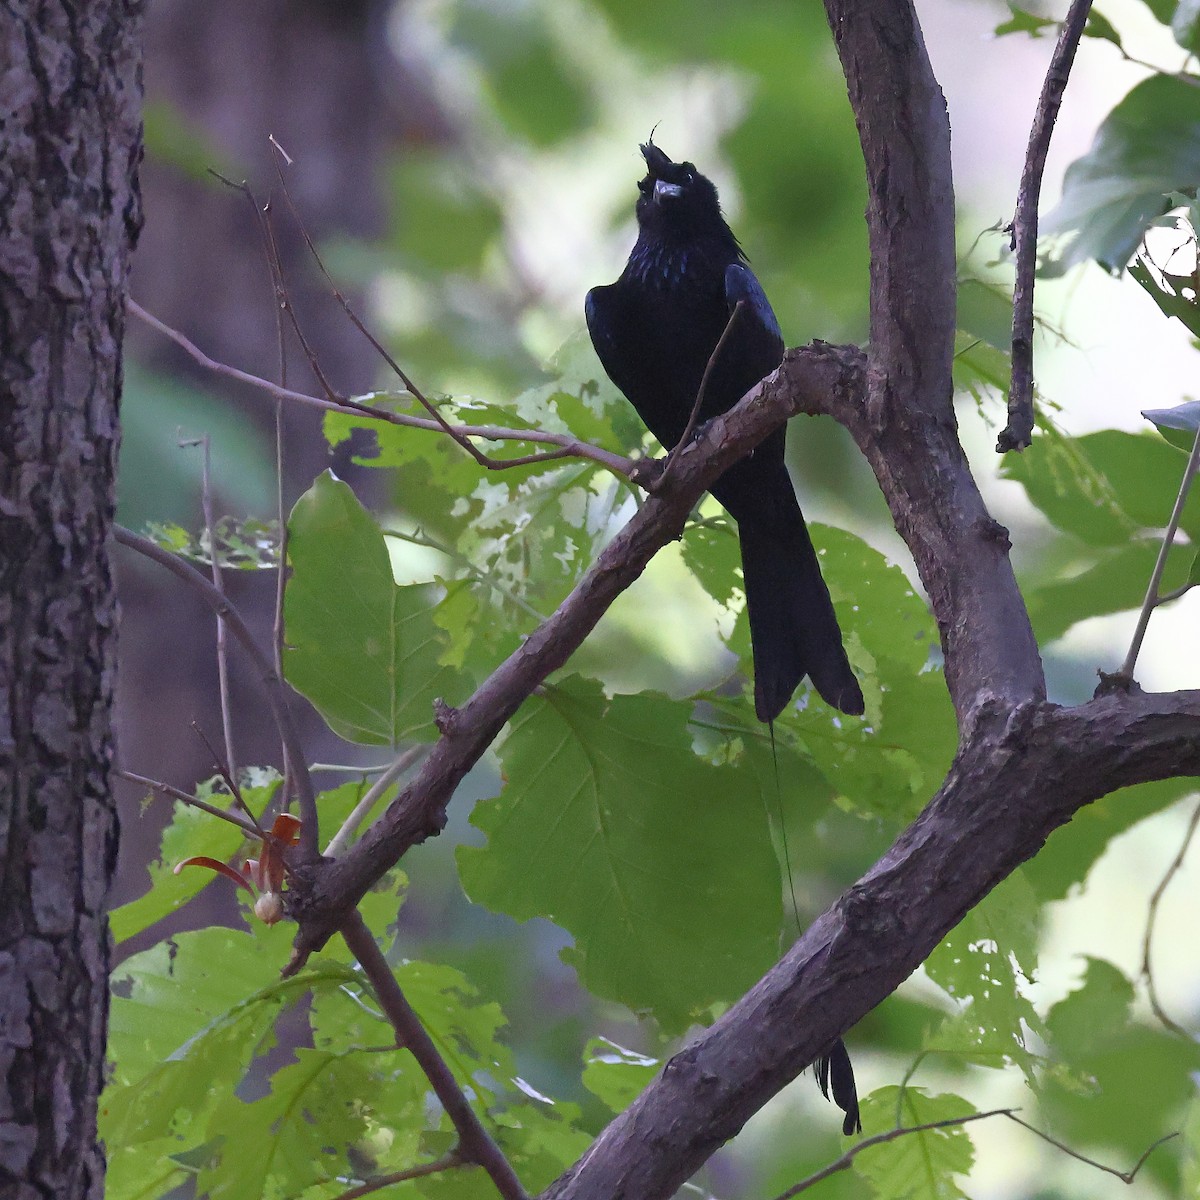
(484, 460)
(476, 1145)
(227, 776)
(446, 1163)
(218, 582)
(1175, 594)
(1152, 917)
(1125, 674)
(693, 416)
(568, 445)
(337, 844)
(843, 1163)
(1124, 1176)
(178, 794)
(272, 684)
(1017, 433)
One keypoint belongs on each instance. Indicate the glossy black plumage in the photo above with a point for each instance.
(654, 330)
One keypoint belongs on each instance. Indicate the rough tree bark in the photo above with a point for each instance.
(71, 122)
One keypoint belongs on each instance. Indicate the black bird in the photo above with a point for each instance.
(654, 331)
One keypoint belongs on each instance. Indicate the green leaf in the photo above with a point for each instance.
(364, 650)
(1101, 27)
(192, 1011)
(1175, 295)
(1148, 146)
(984, 962)
(1021, 21)
(1185, 25)
(1124, 1084)
(1115, 581)
(660, 866)
(1179, 425)
(1104, 487)
(1071, 852)
(297, 1134)
(616, 1075)
(918, 1166)
(188, 833)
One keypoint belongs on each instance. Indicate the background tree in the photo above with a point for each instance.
(640, 823)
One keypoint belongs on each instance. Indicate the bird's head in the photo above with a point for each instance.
(675, 199)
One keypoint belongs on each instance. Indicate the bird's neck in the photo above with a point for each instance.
(664, 262)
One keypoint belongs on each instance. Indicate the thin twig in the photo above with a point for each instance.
(1124, 1176)
(178, 794)
(432, 409)
(370, 798)
(227, 776)
(1017, 434)
(475, 1143)
(210, 528)
(1152, 917)
(694, 415)
(445, 1163)
(272, 684)
(1175, 594)
(568, 445)
(1125, 674)
(843, 1163)
(423, 539)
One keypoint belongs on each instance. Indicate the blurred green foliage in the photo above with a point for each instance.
(635, 817)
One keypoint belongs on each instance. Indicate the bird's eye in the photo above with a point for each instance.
(644, 186)
(689, 172)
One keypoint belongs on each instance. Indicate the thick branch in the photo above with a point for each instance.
(907, 429)
(1024, 773)
(323, 895)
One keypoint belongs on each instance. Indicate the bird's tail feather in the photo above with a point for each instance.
(794, 631)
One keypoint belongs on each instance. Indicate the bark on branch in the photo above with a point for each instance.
(323, 893)
(1022, 774)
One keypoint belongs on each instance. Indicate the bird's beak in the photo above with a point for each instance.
(664, 190)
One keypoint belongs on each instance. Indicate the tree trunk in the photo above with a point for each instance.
(71, 120)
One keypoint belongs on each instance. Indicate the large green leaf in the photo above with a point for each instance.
(1115, 581)
(982, 964)
(188, 833)
(366, 651)
(919, 1166)
(1148, 146)
(1123, 1083)
(660, 865)
(1104, 487)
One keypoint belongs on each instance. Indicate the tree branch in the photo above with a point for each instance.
(907, 428)
(1023, 774)
(475, 1144)
(1017, 433)
(323, 894)
(568, 446)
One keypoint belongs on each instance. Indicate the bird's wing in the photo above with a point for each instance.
(600, 310)
(741, 284)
